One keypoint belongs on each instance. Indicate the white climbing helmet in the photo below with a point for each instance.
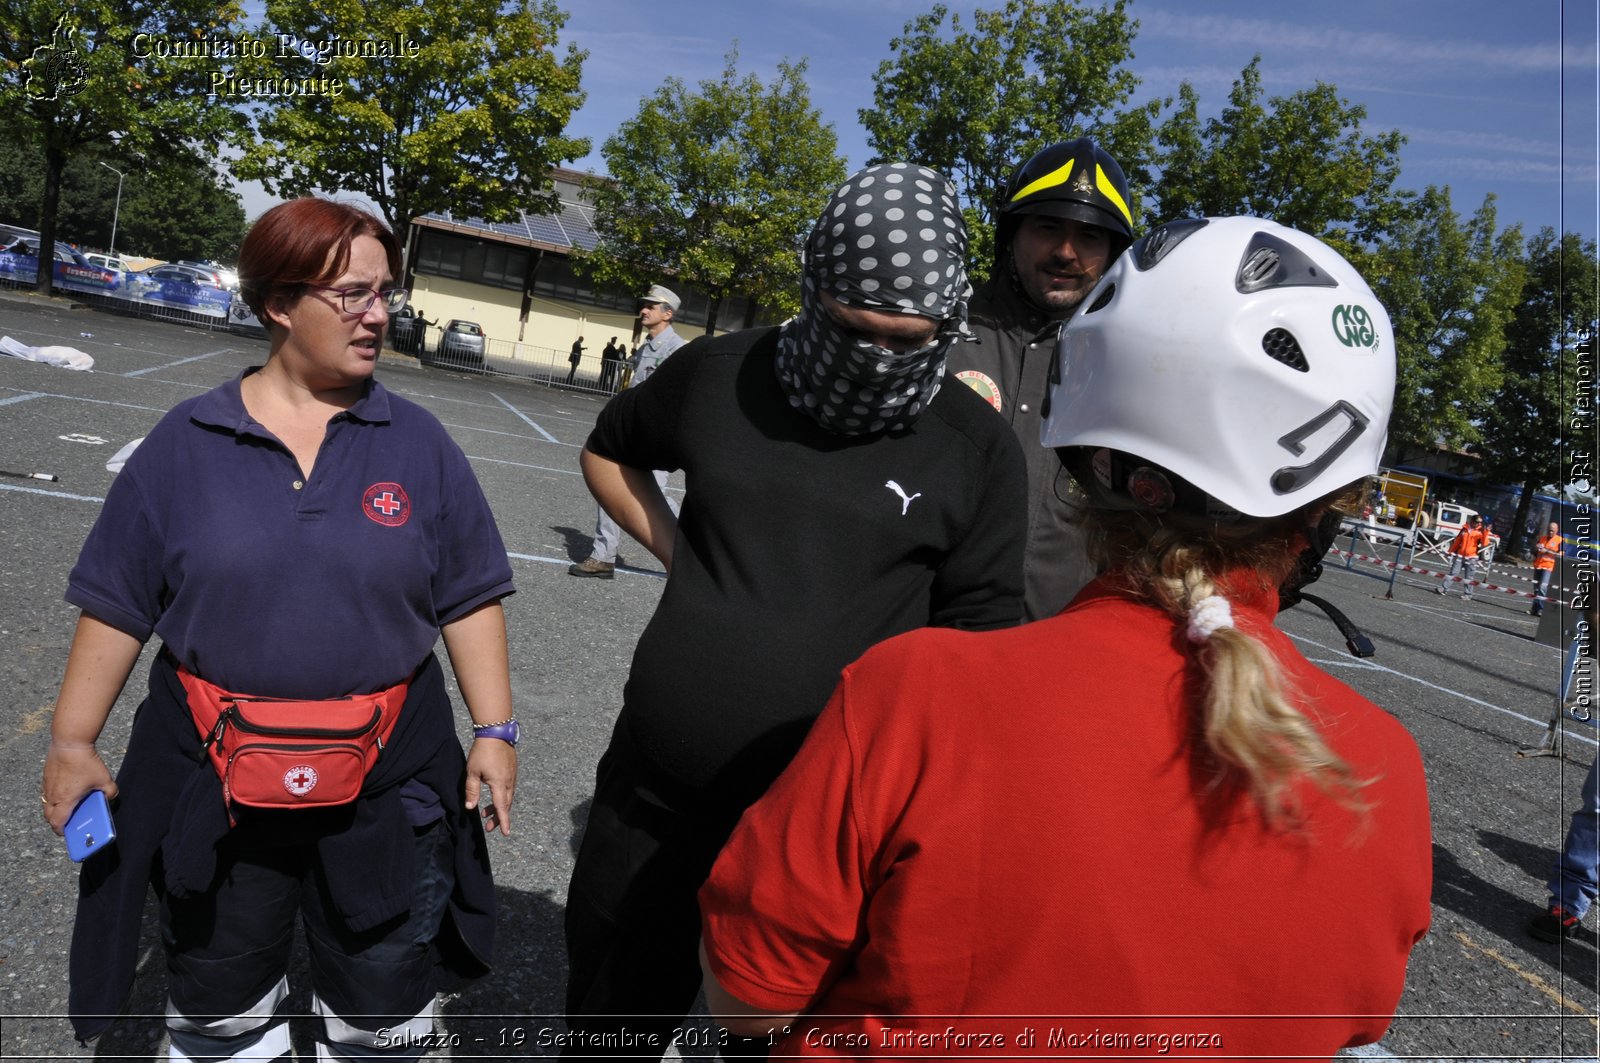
(1246, 358)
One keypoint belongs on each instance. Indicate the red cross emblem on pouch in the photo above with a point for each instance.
(300, 780)
(387, 503)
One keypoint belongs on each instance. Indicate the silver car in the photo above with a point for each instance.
(461, 346)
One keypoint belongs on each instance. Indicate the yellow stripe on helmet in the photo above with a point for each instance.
(1060, 175)
(1109, 190)
(1049, 180)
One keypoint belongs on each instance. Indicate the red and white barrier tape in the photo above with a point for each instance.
(1440, 575)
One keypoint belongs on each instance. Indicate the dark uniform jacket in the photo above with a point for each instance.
(1008, 367)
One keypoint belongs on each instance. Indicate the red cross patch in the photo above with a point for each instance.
(386, 503)
(300, 780)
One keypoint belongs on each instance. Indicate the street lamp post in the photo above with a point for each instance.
(117, 210)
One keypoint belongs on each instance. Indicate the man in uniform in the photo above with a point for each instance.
(1464, 549)
(1545, 553)
(1064, 218)
(656, 309)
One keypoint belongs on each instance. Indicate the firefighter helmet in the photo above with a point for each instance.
(1075, 179)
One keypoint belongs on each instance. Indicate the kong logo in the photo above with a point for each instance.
(1354, 327)
(387, 503)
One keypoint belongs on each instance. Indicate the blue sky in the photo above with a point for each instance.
(1493, 97)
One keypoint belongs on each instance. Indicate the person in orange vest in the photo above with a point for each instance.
(1464, 555)
(1545, 552)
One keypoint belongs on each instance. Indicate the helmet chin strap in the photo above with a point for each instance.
(1307, 570)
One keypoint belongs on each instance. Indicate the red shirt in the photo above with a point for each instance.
(1006, 824)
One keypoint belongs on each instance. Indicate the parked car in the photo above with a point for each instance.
(461, 346)
(407, 329)
(177, 271)
(19, 264)
(111, 262)
(223, 276)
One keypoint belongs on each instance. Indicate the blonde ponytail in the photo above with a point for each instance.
(1249, 725)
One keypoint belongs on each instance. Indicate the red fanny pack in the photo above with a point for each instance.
(280, 753)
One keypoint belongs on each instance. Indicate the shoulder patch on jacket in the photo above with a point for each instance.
(983, 384)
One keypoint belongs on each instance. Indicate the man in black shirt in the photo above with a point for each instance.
(836, 496)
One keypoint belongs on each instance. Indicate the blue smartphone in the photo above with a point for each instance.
(90, 828)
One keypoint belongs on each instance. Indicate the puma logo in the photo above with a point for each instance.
(905, 500)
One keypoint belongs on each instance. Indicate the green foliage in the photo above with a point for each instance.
(173, 206)
(181, 212)
(716, 188)
(73, 83)
(468, 117)
(1451, 289)
(1300, 160)
(1542, 414)
(975, 103)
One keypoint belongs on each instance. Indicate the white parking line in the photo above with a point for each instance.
(181, 361)
(629, 569)
(508, 435)
(80, 398)
(53, 494)
(531, 422)
(524, 465)
(1372, 666)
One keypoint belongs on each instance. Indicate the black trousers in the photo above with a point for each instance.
(633, 921)
(227, 948)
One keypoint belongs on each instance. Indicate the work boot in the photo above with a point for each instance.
(593, 569)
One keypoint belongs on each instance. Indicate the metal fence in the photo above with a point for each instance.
(510, 358)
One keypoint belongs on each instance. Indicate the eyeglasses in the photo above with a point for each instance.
(360, 300)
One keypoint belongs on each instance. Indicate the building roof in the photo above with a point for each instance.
(571, 226)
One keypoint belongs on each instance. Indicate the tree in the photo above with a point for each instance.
(464, 110)
(1301, 160)
(1450, 289)
(171, 207)
(716, 188)
(1540, 425)
(973, 104)
(77, 77)
(179, 211)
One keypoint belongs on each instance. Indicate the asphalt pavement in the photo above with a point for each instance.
(1467, 678)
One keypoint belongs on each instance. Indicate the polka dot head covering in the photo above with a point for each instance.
(892, 239)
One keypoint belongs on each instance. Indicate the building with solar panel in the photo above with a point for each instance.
(514, 279)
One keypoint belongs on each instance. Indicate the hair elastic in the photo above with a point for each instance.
(1207, 615)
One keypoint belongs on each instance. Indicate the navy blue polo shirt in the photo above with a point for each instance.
(266, 582)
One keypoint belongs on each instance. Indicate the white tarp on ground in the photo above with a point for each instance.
(70, 357)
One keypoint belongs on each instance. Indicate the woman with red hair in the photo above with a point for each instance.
(298, 538)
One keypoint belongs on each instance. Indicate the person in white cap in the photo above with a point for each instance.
(656, 309)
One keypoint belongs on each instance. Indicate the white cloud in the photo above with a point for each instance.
(1501, 146)
(1495, 167)
(1264, 35)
